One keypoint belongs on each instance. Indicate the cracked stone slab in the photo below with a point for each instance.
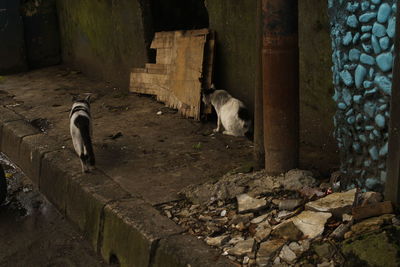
(247, 203)
(336, 203)
(311, 223)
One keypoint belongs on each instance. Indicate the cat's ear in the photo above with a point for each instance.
(74, 98)
(213, 87)
(87, 98)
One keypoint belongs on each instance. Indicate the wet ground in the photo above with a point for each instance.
(33, 233)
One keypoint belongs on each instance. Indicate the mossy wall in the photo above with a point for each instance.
(12, 44)
(318, 146)
(171, 15)
(104, 39)
(41, 32)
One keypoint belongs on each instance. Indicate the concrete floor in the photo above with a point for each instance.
(33, 233)
(155, 156)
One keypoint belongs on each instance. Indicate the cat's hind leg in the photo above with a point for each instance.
(84, 162)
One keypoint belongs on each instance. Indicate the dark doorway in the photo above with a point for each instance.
(171, 15)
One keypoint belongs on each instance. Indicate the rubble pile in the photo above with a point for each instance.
(290, 220)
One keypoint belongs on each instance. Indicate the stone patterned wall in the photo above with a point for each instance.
(362, 39)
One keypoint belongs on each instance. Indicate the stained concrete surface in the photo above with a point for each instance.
(33, 233)
(149, 155)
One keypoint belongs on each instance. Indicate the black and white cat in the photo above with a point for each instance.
(232, 113)
(81, 132)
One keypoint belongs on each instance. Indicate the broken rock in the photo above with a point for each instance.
(266, 184)
(289, 204)
(260, 219)
(340, 231)
(269, 248)
(371, 198)
(241, 218)
(242, 248)
(371, 210)
(287, 230)
(297, 179)
(248, 204)
(287, 255)
(300, 247)
(325, 250)
(217, 241)
(336, 203)
(372, 224)
(236, 240)
(263, 231)
(310, 223)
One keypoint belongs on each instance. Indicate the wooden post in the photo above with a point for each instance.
(392, 186)
(281, 85)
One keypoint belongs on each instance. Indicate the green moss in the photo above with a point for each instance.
(373, 250)
(105, 39)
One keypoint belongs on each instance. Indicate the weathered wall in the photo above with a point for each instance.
(237, 58)
(41, 33)
(318, 147)
(105, 39)
(237, 63)
(362, 39)
(171, 15)
(12, 45)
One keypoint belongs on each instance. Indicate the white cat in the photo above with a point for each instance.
(232, 113)
(81, 132)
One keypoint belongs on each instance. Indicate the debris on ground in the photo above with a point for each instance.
(41, 124)
(287, 220)
(115, 136)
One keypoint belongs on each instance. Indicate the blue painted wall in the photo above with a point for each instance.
(362, 40)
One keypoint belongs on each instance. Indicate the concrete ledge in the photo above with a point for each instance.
(118, 225)
(11, 137)
(56, 171)
(31, 152)
(131, 232)
(86, 198)
(178, 250)
(7, 115)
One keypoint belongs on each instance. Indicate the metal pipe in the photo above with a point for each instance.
(281, 85)
(259, 152)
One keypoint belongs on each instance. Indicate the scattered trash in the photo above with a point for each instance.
(42, 124)
(115, 136)
(159, 113)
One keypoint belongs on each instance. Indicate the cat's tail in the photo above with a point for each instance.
(83, 124)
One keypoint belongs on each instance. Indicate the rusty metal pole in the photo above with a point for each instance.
(281, 85)
(392, 186)
(259, 152)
